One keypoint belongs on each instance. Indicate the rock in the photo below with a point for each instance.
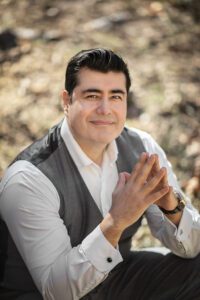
(53, 35)
(193, 186)
(193, 148)
(14, 54)
(27, 33)
(121, 17)
(25, 48)
(39, 85)
(52, 12)
(155, 8)
(108, 22)
(8, 40)
(23, 87)
(100, 23)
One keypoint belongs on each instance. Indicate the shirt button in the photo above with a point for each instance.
(109, 259)
(180, 245)
(181, 231)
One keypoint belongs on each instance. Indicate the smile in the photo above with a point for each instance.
(102, 122)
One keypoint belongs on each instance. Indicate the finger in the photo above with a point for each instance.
(120, 183)
(155, 181)
(122, 179)
(144, 172)
(171, 190)
(143, 158)
(156, 167)
(157, 195)
(164, 180)
(156, 164)
(127, 175)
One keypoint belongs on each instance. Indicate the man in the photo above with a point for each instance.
(71, 202)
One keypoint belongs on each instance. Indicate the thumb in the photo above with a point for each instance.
(121, 182)
(127, 175)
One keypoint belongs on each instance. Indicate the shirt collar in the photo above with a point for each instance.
(78, 155)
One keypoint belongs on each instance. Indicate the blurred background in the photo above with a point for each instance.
(160, 41)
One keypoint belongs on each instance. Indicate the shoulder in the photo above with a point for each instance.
(138, 132)
(42, 148)
(149, 143)
(143, 135)
(23, 179)
(20, 169)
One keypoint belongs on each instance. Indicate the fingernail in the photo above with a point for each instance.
(166, 188)
(151, 157)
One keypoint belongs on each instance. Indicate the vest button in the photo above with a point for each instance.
(109, 259)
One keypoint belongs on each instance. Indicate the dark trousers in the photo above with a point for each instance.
(144, 276)
(6, 294)
(151, 276)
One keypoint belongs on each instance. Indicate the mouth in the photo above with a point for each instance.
(102, 122)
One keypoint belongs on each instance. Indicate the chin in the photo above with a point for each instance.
(105, 139)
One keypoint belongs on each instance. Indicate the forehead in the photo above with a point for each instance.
(88, 78)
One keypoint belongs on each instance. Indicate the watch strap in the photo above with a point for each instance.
(178, 208)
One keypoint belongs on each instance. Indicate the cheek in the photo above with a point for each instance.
(122, 112)
(78, 120)
(75, 112)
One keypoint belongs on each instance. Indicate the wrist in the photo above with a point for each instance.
(110, 230)
(178, 204)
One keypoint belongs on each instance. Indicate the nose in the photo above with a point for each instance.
(104, 107)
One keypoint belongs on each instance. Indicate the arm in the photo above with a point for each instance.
(180, 233)
(183, 241)
(30, 204)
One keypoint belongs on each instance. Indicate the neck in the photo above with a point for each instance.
(94, 153)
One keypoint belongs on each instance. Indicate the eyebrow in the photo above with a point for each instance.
(94, 90)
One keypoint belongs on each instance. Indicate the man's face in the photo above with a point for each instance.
(97, 109)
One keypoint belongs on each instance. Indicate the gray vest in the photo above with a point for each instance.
(77, 207)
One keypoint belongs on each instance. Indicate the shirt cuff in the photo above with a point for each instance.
(100, 252)
(185, 225)
(170, 227)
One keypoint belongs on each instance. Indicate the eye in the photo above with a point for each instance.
(116, 97)
(92, 97)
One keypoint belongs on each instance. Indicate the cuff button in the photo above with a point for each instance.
(109, 259)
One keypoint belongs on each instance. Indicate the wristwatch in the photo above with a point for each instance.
(178, 208)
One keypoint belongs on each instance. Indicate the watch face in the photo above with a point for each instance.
(181, 204)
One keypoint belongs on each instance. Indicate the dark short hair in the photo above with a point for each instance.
(97, 59)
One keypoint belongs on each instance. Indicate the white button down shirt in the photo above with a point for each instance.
(29, 203)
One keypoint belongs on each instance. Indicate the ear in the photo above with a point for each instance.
(65, 100)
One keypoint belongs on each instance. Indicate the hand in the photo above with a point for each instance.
(168, 201)
(132, 196)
